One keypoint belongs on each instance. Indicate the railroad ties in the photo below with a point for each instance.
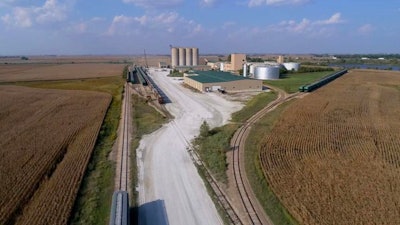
(120, 210)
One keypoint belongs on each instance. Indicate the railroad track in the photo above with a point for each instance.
(253, 213)
(220, 194)
(123, 175)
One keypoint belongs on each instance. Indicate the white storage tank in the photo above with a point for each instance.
(252, 69)
(266, 73)
(292, 66)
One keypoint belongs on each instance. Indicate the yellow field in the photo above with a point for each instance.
(34, 72)
(46, 140)
(334, 156)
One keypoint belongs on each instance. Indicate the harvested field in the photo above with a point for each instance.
(333, 157)
(33, 72)
(46, 140)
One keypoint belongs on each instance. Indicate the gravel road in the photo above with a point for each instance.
(170, 189)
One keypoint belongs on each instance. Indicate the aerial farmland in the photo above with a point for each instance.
(333, 156)
(47, 136)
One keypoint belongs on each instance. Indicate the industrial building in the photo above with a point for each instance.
(206, 81)
(236, 63)
(184, 57)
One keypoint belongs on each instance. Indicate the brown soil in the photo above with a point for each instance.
(46, 139)
(32, 72)
(334, 156)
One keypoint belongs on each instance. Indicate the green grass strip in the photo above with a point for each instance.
(271, 204)
(291, 82)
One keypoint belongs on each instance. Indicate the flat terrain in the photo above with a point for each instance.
(46, 140)
(35, 72)
(333, 157)
(170, 188)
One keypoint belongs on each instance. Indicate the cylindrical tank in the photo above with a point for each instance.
(174, 57)
(189, 57)
(292, 66)
(182, 57)
(252, 69)
(195, 58)
(266, 73)
(244, 70)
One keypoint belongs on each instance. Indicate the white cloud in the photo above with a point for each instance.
(119, 24)
(50, 12)
(207, 3)
(365, 29)
(334, 19)
(154, 3)
(149, 24)
(308, 27)
(20, 17)
(254, 3)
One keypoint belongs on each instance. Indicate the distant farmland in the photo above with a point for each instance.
(333, 157)
(35, 72)
(46, 140)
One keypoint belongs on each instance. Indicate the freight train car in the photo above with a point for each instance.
(321, 82)
(142, 76)
(120, 209)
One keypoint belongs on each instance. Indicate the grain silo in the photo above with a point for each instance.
(195, 56)
(292, 66)
(267, 73)
(174, 57)
(182, 57)
(189, 57)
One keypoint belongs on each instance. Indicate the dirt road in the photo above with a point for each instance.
(170, 189)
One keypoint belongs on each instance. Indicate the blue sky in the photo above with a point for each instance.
(215, 26)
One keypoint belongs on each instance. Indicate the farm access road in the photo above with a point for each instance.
(170, 188)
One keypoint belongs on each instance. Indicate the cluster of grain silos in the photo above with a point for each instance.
(181, 56)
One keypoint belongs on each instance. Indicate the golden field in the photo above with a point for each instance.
(333, 157)
(35, 72)
(46, 140)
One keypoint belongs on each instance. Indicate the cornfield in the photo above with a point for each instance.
(334, 156)
(46, 140)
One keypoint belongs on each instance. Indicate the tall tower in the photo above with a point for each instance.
(280, 59)
(188, 57)
(182, 57)
(174, 57)
(195, 59)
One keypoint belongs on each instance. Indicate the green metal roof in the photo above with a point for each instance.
(214, 76)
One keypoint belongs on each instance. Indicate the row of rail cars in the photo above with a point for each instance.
(138, 75)
(120, 209)
(321, 82)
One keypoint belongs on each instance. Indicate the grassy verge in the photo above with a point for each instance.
(253, 106)
(265, 195)
(93, 201)
(213, 144)
(291, 82)
(145, 119)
